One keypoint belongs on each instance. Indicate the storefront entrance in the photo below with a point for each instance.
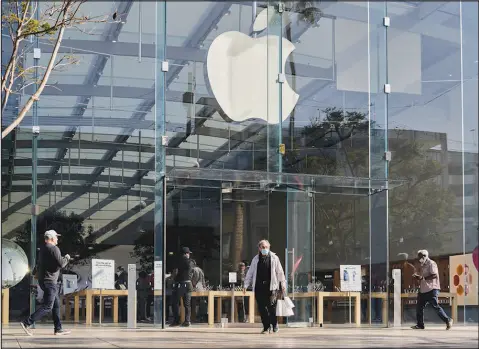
(315, 224)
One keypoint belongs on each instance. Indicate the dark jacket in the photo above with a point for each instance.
(50, 262)
(185, 269)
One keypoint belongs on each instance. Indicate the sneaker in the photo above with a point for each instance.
(265, 331)
(186, 324)
(62, 332)
(26, 329)
(449, 324)
(416, 327)
(275, 329)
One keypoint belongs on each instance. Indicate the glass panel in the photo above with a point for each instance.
(299, 258)
(426, 137)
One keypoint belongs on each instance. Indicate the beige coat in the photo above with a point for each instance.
(277, 273)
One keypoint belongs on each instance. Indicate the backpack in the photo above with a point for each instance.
(198, 277)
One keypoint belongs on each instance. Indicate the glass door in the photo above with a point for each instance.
(299, 259)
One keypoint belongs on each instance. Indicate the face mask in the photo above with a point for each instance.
(264, 251)
(422, 260)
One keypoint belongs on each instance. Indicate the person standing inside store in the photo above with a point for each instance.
(240, 278)
(142, 290)
(182, 289)
(266, 276)
(169, 286)
(428, 277)
(121, 283)
(50, 263)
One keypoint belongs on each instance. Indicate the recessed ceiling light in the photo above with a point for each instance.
(113, 41)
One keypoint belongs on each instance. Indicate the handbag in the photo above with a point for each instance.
(283, 308)
(289, 302)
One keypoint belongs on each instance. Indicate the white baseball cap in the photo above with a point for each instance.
(51, 234)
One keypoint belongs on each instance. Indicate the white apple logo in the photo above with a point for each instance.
(243, 74)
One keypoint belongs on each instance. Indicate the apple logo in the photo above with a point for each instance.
(243, 74)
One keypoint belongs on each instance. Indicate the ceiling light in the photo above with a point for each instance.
(228, 13)
(113, 41)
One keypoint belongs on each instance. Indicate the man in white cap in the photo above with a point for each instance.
(50, 262)
(429, 290)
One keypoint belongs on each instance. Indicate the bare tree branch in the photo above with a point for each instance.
(37, 93)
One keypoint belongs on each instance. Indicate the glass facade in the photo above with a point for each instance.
(345, 133)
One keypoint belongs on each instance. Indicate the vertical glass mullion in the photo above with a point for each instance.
(160, 158)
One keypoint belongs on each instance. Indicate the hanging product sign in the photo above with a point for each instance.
(350, 278)
(103, 274)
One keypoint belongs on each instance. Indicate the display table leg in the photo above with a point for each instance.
(211, 309)
(219, 310)
(252, 309)
(5, 306)
(384, 311)
(88, 308)
(320, 310)
(357, 309)
(115, 309)
(76, 310)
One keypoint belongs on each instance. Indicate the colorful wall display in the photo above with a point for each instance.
(463, 277)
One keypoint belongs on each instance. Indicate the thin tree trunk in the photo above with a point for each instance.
(238, 234)
(46, 76)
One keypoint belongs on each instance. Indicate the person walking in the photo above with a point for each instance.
(266, 276)
(429, 290)
(182, 289)
(47, 271)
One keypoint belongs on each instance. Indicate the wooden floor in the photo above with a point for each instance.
(247, 337)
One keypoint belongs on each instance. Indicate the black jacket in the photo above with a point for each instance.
(185, 269)
(50, 262)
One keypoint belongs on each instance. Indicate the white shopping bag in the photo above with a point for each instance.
(283, 309)
(289, 302)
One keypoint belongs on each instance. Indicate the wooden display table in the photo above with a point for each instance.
(5, 306)
(357, 304)
(210, 295)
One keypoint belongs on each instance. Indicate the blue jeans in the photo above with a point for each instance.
(429, 297)
(51, 303)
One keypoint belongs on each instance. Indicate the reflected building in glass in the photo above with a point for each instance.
(345, 133)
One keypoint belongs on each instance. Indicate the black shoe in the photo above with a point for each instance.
(449, 324)
(265, 331)
(26, 328)
(417, 327)
(186, 324)
(275, 329)
(175, 324)
(62, 332)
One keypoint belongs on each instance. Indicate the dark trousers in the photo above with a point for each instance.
(241, 309)
(182, 290)
(142, 303)
(430, 297)
(51, 303)
(149, 302)
(266, 308)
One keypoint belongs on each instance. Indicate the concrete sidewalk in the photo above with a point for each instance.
(198, 337)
